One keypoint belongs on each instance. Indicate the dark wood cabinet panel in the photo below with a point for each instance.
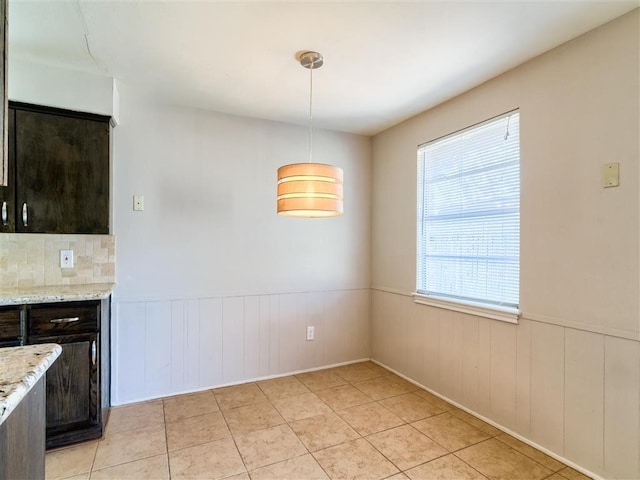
(78, 392)
(8, 192)
(10, 325)
(58, 171)
(63, 319)
(63, 178)
(22, 437)
(69, 393)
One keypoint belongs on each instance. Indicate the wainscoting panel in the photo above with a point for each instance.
(621, 412)
(571, 392)
(503, 373)
(168, 347)
(584, 384)
(547, 386)
(469, 356)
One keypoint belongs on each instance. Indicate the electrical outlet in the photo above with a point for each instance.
(310, 333)
(138, 203)
(66, 258)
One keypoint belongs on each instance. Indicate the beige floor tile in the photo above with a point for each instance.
(152, 468)
(323, 431)
(196, 430)
(67, 462)
(219, 459)
(132, 417)
(410, 407)
(537, 455)
(238, 476)
(321, 380)
(282, 387)
(85, 476)
(359, 372)
(500, 462)
(342, 397)
(239, 396)
(303, 467)
(450, 432)
(571, 474)
(476, 422)
(369, 418)
(122, 447)
(397, 476)
(354, 459)
(411, 387)
(189, 405)
(380, 387)
(406, 447)
(272, 445)
(252, 417)
(434, 400)
(380, 370)
(445, 468)
(300, 406)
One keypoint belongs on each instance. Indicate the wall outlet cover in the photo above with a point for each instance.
(66, 258)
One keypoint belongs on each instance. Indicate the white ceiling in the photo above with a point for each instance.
(384, 61)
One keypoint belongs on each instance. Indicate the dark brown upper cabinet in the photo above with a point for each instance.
(58, 178)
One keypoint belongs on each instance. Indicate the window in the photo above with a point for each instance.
(468, 227)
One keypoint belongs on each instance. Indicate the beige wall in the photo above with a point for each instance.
(568, 377)
(213, 286)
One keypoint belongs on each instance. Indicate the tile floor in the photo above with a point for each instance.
(357, 421)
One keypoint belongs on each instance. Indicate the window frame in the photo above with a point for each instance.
(488, 310)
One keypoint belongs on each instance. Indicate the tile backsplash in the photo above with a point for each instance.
(33, 260)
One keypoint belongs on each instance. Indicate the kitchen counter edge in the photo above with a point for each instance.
(55, 293)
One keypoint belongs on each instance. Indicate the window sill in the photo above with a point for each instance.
(496, 313)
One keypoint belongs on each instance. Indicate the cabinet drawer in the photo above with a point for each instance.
(63, 318)
(9, 325)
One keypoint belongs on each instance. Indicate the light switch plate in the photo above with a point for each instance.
(66, 258)
(610, 175)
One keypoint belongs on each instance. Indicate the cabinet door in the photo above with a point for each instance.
(73, 390)
(71, 385)
(7, 193)
(10, 335)
(62, 166)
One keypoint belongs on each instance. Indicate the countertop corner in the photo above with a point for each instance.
(20, 369)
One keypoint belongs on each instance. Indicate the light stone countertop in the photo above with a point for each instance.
(20, 369)
(55, 293)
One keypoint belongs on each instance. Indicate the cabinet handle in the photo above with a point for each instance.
(5, 219)
(65, 320)
(24, 214)
(94, 353)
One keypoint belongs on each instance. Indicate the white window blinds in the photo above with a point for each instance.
(469, 214)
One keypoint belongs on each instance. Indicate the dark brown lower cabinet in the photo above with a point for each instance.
(10, 326)
(77, 385)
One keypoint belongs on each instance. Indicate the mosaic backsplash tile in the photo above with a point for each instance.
(33, 260)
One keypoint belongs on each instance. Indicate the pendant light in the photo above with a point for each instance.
(310, 189)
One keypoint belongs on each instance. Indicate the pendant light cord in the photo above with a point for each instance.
(311, 114)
